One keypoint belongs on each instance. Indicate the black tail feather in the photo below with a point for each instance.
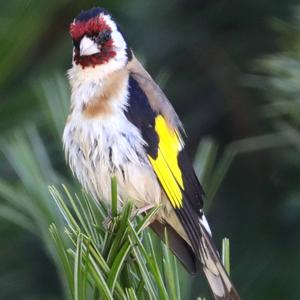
(178, 246)
(199, 234)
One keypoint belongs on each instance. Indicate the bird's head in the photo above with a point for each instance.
(98, 41)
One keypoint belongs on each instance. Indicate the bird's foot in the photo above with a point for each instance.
(107, 221)
(143, 210)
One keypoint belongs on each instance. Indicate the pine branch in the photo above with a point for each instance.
(112, 256)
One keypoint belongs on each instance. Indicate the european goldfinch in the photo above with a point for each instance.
(121, 124)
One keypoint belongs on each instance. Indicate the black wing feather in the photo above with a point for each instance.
(140, 113)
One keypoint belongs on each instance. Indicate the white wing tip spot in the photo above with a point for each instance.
(204, 223)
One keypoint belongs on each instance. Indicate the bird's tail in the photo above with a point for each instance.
(190, 239)
(216, 275)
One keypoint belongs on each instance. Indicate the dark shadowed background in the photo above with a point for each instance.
(231, 70)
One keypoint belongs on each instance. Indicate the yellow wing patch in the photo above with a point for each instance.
(166, 164)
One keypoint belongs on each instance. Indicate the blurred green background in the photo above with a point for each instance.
(232, 71)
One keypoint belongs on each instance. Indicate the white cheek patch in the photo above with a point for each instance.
(118, 40)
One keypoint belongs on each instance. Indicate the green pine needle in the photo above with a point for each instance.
(109, 259)
(226, 254)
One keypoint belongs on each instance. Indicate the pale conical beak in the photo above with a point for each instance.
(88, 47)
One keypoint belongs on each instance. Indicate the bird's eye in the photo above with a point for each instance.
(104, 36)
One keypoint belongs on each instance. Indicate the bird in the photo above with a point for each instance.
(122, 125)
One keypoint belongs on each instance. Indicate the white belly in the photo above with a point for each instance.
(100, 148)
